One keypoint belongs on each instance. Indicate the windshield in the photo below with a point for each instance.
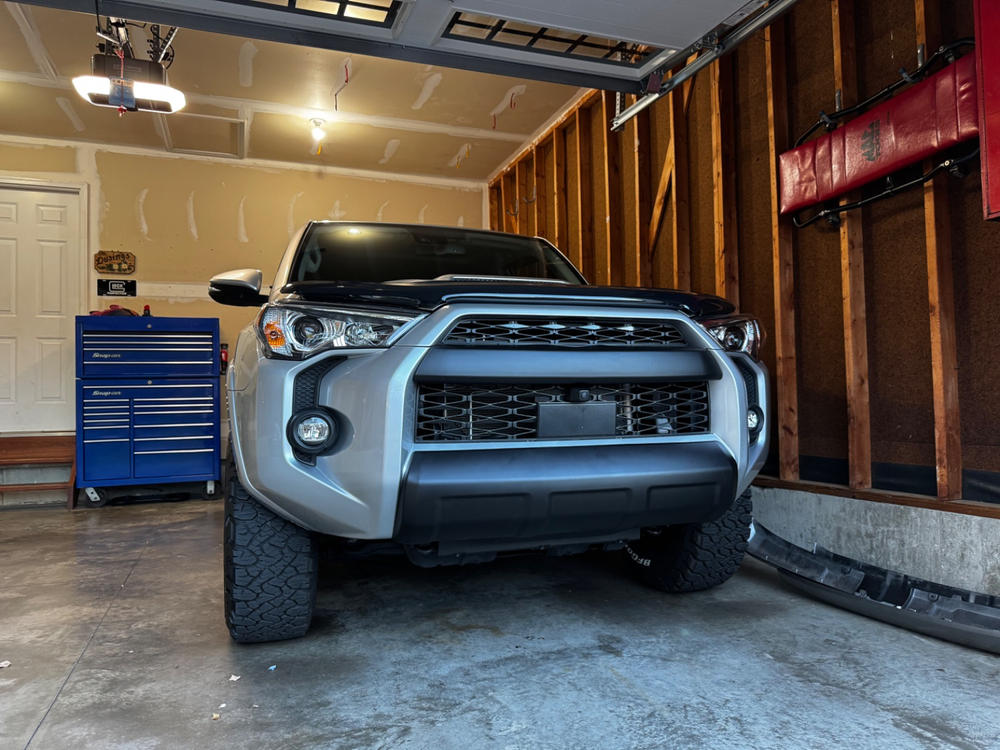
(381, 252)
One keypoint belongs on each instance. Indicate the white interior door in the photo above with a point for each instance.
(40, 272)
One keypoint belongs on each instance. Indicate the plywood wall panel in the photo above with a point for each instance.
(819, 318)
(753, 189)
(895, 267)
(977, 289)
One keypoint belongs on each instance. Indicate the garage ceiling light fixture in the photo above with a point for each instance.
(318, 134)
(147, 97)
(129, 84)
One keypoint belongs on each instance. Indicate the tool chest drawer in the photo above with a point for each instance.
(165, 430)
(114, 347)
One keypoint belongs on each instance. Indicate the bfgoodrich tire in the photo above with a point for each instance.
(696, 556)
(270, 570)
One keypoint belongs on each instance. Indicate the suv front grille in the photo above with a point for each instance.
(573, 332)
(477, 411)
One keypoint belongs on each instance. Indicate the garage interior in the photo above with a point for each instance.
(879, 341)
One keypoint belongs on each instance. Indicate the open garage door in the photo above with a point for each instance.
(614, 46)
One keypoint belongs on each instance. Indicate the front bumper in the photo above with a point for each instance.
(382, 484)
(547, 494)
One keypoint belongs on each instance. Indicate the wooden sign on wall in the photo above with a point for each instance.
(114, 261)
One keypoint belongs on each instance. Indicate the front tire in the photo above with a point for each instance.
(694, 556)
(270, 567)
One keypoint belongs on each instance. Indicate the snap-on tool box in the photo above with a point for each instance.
(147, 400)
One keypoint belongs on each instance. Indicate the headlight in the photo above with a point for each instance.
(299, 332)
(738, 333)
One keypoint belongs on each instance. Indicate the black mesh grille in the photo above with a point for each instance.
(577, 332)
(479, 411)
(750, 380)
(305, 394)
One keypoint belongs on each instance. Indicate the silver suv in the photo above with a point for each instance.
(464, 393)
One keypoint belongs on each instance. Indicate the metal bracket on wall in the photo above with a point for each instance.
(712, 47)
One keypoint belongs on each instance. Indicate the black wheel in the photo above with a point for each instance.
(270, 569)
(85, 499)
(695, 556)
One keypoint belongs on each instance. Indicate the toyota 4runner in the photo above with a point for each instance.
(464, 393)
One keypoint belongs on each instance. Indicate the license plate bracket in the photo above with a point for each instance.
(559, 419)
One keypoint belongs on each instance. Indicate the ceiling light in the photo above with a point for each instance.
(318, 134)
(149, 97)
(138, 85)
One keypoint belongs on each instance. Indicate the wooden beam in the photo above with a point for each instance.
(662, 190)
(524, 214)
(680, 229)
(539, 206)
(512, 201)
(941, 298)
(639, 141)
(494, 203)
(605, 270)
(560, 217)
(584, 199)
(852, 271)
(503, 202)
(786, 412)
(727, 268)
(967, 507)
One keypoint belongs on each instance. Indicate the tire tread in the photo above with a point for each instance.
(696, 556)
(270, 568)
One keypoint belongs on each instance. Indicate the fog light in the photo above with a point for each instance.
(753, 419)
(313, 431)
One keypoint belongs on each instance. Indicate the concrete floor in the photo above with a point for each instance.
(112, 622)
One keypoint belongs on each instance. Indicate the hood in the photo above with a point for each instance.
(430, 295)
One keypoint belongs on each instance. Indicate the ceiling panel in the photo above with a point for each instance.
(365, 147)
(35, 111)
(404, 117)
(14, 53)
(204, 134)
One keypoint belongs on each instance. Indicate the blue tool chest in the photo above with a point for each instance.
(147, 400)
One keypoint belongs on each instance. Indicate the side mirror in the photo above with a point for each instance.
(240, 288)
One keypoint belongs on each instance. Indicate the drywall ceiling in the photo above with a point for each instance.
(595, 43)
(254, 99)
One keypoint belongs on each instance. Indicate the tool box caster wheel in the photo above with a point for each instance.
(92, 497)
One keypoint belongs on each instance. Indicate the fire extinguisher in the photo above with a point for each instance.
(223, 359)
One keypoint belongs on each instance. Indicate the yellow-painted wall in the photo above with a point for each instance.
(31, 158)
(187, 219)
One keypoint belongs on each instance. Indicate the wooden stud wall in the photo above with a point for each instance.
(618, 204)
(941, 296)
(786, 411)
(852, 269)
